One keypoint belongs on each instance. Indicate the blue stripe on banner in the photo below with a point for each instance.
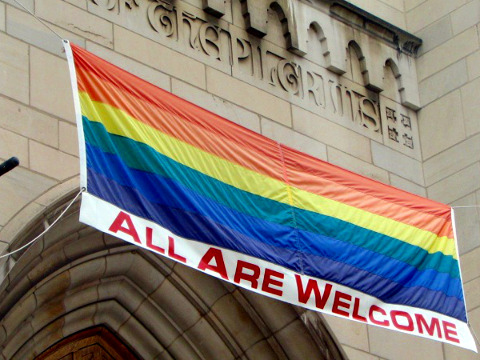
(142, 157)
(270, 232)
(180, 207)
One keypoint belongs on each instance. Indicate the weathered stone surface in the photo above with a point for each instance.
(406, 185)
(75, 20)
(51, 89)
(441, 124)
(21, 336)
(2, 17)
(435, 34)
(213, 349)
(13, 145)
(296, 333)
(238, 92)
(159, 57)
(397, 346)
(217, 105)
(388, 10)
(261, 350)
(471, 108)
(20, 187)
(293, 139)
(171, 300)
(28, 122)
(472, 65)
(472, 294)
(397, 163)
(79, 319)
(470, 265)
(353, 334)
(426, 12)
(448, 53)
(18, 223)
(68, 138)
(59, 191)
(28, 4)
(139, 338)
(208, 288)
(182, 349)
(452, 160)
(80, 3)
(237, 321)
(444, 81)
(467, 223)
(143, 71)
(457, 185)
(87, 272)
(465, 16)
(357, 354)
(455, 352)
(51, 162)
(25, 27)
(352, 163)
(159, 322)
(331, 134)
(14, 78)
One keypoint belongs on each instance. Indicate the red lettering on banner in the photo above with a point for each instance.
(268, 280)
(377, 309)
(355, 314)
(449, 332)
(171, 251)
(396, 313)
(312, 285)
(219, 267)
(435, 324)
(241, 275)
(338, 303)
(150, 245)
(117, 226)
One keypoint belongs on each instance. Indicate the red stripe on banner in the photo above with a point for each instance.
(223, 138)
(260, 156)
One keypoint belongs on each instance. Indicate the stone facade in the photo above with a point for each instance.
(349, 82)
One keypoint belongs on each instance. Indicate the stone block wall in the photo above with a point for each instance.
(438, 156)
(447, 68)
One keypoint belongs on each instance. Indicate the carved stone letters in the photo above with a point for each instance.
(262, 64)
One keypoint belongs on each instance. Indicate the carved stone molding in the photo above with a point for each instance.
(339, 75)
(356, 17)
(255, 14)
(214, 7)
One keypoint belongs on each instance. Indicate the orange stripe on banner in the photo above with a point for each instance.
(261, 157)
(319, 177)
(232, 142)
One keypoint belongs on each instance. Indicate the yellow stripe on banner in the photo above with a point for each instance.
(118, 122)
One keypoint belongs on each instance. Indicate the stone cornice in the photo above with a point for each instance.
(356, 17)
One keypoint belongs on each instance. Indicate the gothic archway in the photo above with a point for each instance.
(93, 343)
(75, 278)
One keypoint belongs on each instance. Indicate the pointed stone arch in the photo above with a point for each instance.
(76, 278)
(392, 80)
(369, 76)
(406, 82)
(255, 14)
(330, 54)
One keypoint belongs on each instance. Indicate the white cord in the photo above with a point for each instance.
(40, 20)
(48, 228)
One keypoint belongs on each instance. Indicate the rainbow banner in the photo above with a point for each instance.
(173, 178)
